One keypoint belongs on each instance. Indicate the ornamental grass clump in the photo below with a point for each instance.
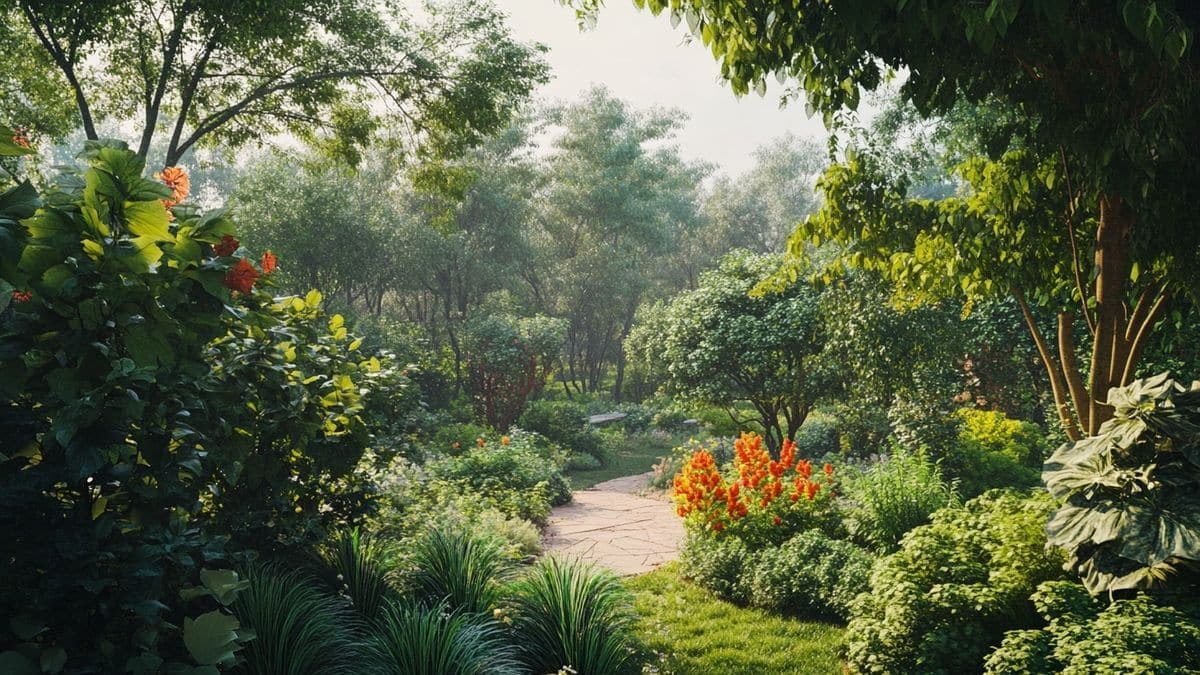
(412, 639)
(574, 617)
(354, 567)
(894, 496)
(456, 569)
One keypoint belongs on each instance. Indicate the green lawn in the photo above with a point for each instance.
(633, 455)
(685, 630)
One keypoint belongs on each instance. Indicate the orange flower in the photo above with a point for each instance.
(268, 262)
(177, 179)
(22, 296)
(479, 442)
(227, 246)
(241, 276)
(505, 440)
(21, 137)
(456, 445)
(828, 469)
(778, 520)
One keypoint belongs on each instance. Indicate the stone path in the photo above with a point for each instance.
(613, 525)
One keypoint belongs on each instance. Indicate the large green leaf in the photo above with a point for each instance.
(149, 220)
(1167, 527)
(211, 638)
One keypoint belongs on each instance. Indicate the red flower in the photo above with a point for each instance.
(828, 469)
(241, 277)
(269, 262)
(227, 246)
(21, 137)
(778, 520)
(22, 296)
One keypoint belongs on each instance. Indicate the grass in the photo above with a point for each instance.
(685, 630)
(634, 454)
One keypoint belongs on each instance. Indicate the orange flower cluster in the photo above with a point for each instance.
(22, 296)
(703, 494)
(228, 246)
(177, 179)
(269, 262)
(21, 137)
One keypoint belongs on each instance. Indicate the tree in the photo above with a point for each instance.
(614, 210)
(1099, 157)
(211, 71)
(759, 209)
(508, 360)
(720, 346)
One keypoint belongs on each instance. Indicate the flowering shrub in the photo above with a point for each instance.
(762, 501)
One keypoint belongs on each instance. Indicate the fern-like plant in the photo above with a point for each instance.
(569, 615)
(894, 496)
(299, 630)
(412, 639)
(459, 570)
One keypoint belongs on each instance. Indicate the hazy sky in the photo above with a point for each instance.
(641, 59)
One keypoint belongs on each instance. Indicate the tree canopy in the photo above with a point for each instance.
(1095, 156)
(210, 71)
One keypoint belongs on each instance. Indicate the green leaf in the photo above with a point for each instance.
(224, 584)
(148, 220)
(211, 638)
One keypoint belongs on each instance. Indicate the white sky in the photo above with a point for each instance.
(642, 60)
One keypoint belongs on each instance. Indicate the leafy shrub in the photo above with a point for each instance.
(563, 423)
(809, 575)
(507, 361)
(818, 437)
(455, 439)
(512, 478)
(298, 629)
(571, 615)
(1086, 635)
(946, 597)
(583, 462)
(413, 639)
(1022, 442)
(892, 497)
(354, 567)
(146, 369)
(718, 564)
(669, 420)
(763, 502)
(453, 568)
(1131, 512)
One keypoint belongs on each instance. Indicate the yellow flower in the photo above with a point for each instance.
(505, 440)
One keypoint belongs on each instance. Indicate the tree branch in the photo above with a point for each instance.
(45, 35)
(1057, 385)
(1076, 265)
(1143, 336)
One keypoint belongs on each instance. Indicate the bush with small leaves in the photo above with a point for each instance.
(1088, 635)
(717, 563)
(946, 597)
(809, 575)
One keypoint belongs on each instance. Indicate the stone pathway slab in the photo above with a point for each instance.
(612, 524)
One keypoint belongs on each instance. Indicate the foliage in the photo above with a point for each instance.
(891, 497)
(808, 575)
(718, 564)
(508, 360)
(1085, 635)
(1130, 517)
(513, 477)
(721, 346)
(122, 425)
(298, 629)
(946, 597)
(355, 568)
(570, 615)
(683, 629)
(619, 200)
(818, 437)
(411, 639)
(765, 503)
(1022, 442)
(231, 73)
(563, 423)
(454, 568)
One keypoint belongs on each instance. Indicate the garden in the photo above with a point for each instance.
(316, 321)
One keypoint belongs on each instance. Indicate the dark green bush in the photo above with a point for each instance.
(946, 597)
(563, 423)
(892, 497)
(1087, 635)
(570, 615)
(719, 564)
(669, 420)
(513, 478)
(809, 575)
(818, 437)
(455, 439)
